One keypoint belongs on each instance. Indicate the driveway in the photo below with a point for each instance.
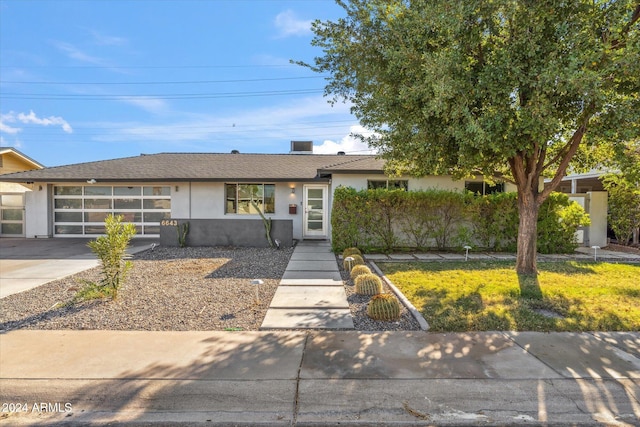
(27, 263)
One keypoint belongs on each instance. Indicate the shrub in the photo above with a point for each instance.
(558, 222)
(368, 284)
(110, 250)
(624, 207)
(384, 307)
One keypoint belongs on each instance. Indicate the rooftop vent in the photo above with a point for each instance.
(341, 153)
(235, 152)
(301, 147)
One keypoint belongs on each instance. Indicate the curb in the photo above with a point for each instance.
(424, 325)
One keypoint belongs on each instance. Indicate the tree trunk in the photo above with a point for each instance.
(528, 209)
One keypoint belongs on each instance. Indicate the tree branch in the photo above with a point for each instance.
(574, 143)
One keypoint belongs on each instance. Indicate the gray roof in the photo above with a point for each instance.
(205, 167)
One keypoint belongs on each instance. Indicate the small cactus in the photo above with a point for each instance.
(383, 307)
(368, 284)
(358, 270)
(352, 260)
(351, 251)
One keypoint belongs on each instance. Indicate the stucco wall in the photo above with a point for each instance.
(228, 232)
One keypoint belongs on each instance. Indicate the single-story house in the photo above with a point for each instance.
(217, 193)
(12, 194)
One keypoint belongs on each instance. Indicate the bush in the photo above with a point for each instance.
(624, 207)
(389, 220)
(110, 250)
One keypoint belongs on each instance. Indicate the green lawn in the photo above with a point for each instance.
(490, 296)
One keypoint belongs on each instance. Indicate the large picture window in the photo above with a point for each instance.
(244, 198)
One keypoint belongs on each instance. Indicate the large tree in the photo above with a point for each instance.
(510, 89)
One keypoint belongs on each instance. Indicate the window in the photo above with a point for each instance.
(243, 198)
(388, 184)
(482, 188)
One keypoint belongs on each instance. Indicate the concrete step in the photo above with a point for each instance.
(308, 318)
(309, 296)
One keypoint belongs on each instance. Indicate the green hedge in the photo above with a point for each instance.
(381, 220)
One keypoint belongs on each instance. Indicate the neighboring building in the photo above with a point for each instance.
(213, 192)
(587, 190)
(12, 195)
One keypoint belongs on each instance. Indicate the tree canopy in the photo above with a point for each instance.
(511, 89)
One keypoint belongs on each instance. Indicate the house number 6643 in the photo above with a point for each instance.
(169, 222)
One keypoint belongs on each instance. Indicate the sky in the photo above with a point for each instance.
(88, 80)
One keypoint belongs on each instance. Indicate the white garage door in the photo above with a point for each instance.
(81, 210)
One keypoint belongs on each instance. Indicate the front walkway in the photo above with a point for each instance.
(311, 293)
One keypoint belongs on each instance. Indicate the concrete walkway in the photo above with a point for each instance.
(311, 293)
(297, 378)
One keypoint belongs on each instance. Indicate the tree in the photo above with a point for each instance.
(514, 90)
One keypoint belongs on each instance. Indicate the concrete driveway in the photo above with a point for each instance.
(27, 263)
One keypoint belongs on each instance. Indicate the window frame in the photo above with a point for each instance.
(486, 187)
(403, 184)
(232, 202)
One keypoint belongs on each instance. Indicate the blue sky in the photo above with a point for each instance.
(85, 80)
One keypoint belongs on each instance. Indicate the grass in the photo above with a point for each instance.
(490, 296)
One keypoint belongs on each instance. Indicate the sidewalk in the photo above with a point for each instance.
(296, 378)
(311, 293)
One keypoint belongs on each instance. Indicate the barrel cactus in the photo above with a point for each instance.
(358, 270)
(384, 307)
(352, 260)
(368, 284)
(351, 251)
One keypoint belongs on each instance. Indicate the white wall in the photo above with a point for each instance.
(37, 212)
(206, 200)
(598, 207)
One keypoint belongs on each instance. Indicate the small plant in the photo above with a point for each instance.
(351, 251)
(110, 250)
(352, 260)
(183, 230)
(358, 270)
(368, 284)
(383, 307)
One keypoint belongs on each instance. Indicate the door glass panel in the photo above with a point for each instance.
(67, 191)
(127, 204)
(12, 200)
(157, 191)
(157, 203)
(315, 204)
(12, 214)
(68, 204)
(97, 204)
(68, 229)
(97, 191)
(11, 228)
(315, 225)
(126, 191)
(314, 193)
(68, 216)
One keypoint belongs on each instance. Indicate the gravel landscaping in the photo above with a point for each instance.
(175, 289)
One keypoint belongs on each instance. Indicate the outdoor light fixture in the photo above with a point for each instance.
(257, 282)
(293, 190)
(466, 255)
(595, 252)
(177, 188)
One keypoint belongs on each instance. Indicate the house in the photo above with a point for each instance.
(12, 195)
(219, 194)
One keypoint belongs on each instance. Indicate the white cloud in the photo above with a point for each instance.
(31, 118)
(147, 103)
(349, 144)
(106, 40)
(288, 24)
(74, 53)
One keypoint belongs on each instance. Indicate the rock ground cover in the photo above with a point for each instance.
(175, 289)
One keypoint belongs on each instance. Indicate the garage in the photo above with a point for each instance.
(80, 210)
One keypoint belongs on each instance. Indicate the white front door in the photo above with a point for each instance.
(315, 211)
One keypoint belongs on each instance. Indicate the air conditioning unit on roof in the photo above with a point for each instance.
(301, 147)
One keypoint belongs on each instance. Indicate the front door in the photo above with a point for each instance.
(315, 211)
